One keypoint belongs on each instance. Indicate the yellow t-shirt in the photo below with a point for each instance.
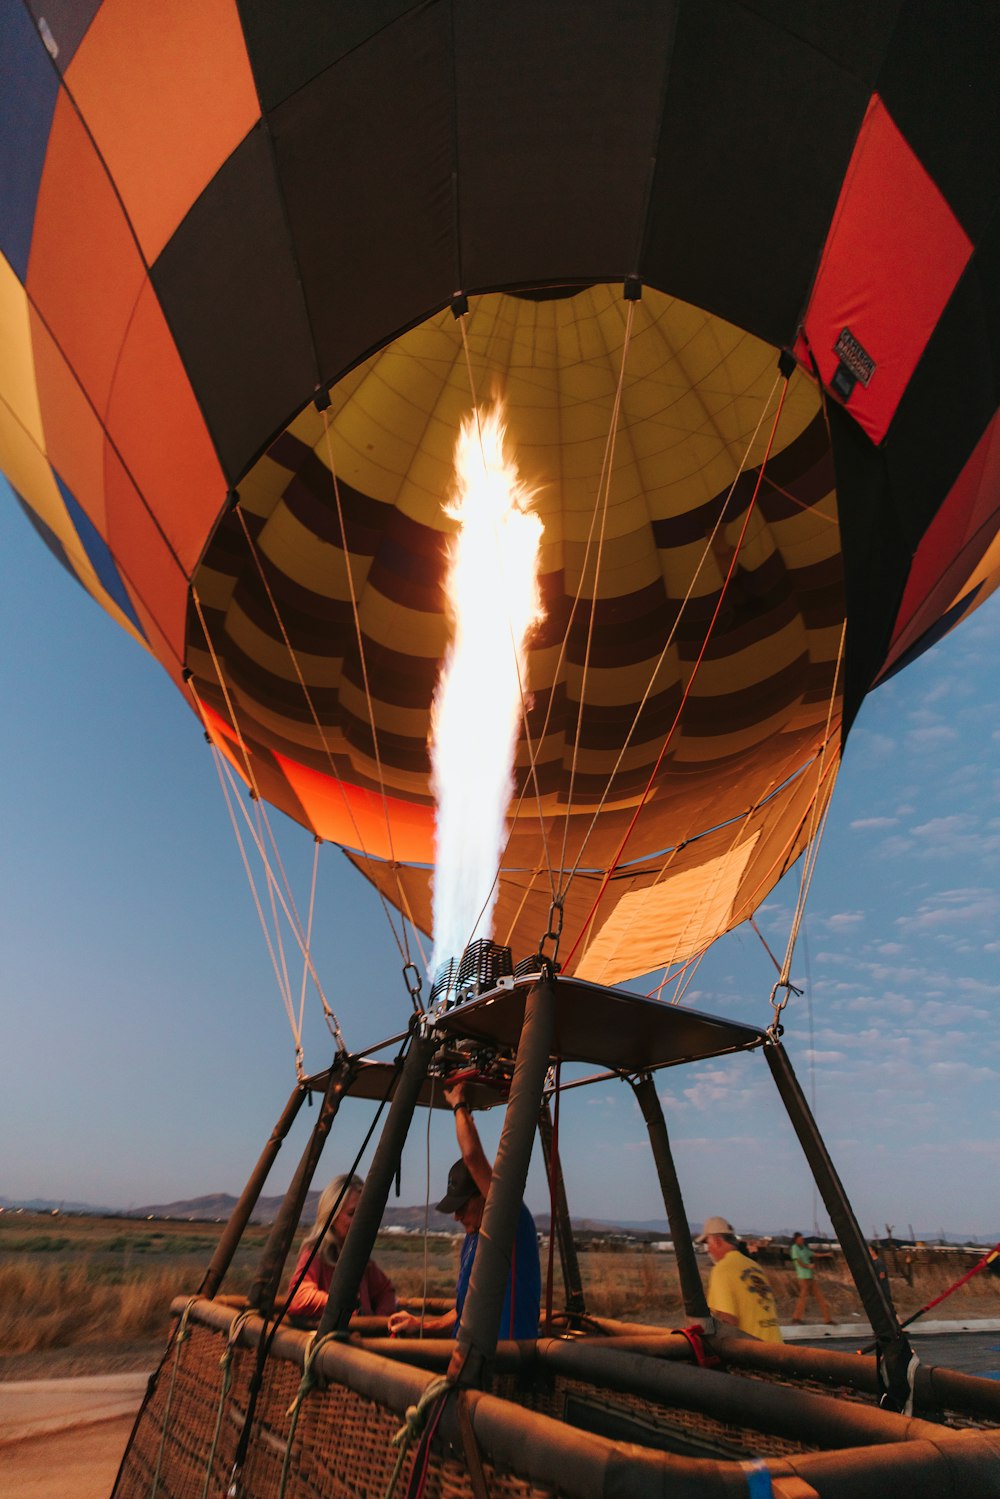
(737, 1287)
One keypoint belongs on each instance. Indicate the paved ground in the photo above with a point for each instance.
(78, 1463)
(64, 1438)
(972, 1347)
(34, 1407)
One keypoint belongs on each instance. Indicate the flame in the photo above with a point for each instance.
(494, 604)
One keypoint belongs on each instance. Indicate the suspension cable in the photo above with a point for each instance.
(690, 683)
(309, 925)
(310, 704)
(603, 498)
(286, 997)
(704, 901)
(289, 908)
(706, 551)
(226, 778)
(817, 825)
(362, 658)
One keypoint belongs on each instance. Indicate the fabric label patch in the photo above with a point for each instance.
(850, 352)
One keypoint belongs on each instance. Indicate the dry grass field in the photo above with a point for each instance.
(89, 1295)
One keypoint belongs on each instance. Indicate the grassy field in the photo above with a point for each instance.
(81, 1294)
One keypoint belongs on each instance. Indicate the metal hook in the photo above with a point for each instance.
(414, 984)
(556, 915)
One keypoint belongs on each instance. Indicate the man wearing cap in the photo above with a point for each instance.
(737, 1291)
(468, 1184)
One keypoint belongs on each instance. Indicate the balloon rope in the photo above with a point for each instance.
(291, 915)
(700, 908)
(289, 908)
(407, 911)
(684, 982)
(786, 849)
(402, 946)
(335, 774)
(286, 997)
(255, 790)
(690, 683)
(668, 642)
(230, 708)
(359, 637)
(309, 926)
(815, 837)
(263, 824)
(603, 497)
(298, 671)
(520, 907)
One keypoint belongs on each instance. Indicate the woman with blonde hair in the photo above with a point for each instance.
(375, 1294)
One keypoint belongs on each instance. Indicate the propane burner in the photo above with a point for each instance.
(484, 965)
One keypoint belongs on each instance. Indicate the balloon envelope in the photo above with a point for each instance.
(214, 213)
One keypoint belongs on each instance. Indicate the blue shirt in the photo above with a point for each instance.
(525, 1272)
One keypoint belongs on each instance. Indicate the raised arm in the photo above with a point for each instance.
(469, 1142)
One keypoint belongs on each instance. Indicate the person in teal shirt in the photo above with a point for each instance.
(802, 1258)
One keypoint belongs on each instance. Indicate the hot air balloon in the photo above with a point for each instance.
(732, 269)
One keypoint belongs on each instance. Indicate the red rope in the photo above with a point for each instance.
(695, 1334)
(421, 1465)
(691, 680)
(986, 1260)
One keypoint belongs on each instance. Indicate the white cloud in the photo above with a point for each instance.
(953, 908)
(844, 920)
(924, 740)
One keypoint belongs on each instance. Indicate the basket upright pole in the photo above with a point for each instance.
(895, 1353)
(477, 1334)
(272, 1260)
(357, 1248)
(561, 1225)
(240, 1216)
(692, 1289)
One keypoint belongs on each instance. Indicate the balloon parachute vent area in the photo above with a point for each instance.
(482, 967)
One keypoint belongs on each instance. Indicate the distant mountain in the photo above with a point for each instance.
(50, 1205)
(217, 1206)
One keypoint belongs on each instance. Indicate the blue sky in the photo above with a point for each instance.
(146, 1052)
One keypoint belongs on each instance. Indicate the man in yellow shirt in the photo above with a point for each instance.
(737, 1291)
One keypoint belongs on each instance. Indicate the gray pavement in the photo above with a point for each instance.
(32, 1408)
(971, 1347)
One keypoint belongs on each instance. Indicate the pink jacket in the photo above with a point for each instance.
(375, 1294)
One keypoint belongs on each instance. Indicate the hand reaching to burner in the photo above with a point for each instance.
(454, 1095)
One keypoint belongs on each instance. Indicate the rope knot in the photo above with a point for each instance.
(413, 1426)
(778, 1005)
(416, 1415)
(309, 1380)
